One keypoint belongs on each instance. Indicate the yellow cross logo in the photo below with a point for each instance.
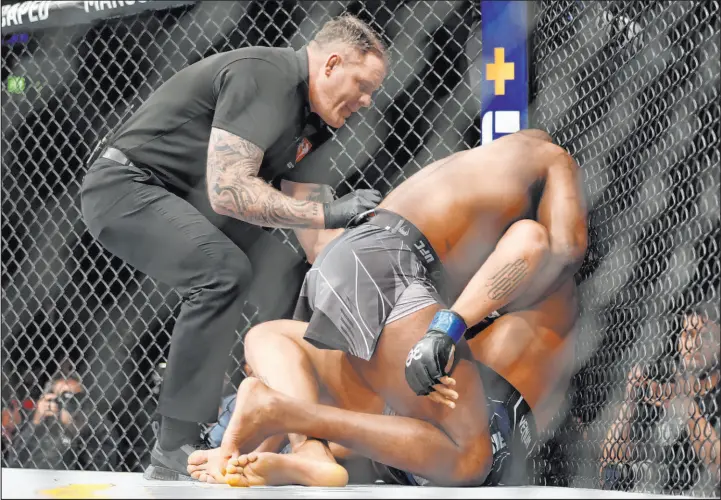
(500, 71)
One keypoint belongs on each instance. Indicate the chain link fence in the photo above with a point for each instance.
(68, 304)
(631, 90)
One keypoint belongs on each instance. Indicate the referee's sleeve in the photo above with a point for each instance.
(251, 96)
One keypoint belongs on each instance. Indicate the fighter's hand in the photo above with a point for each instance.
(338, 213)
(432, 357)
(429, 361)
(443, 393)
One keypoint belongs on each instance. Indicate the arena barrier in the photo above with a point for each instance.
(629, 88)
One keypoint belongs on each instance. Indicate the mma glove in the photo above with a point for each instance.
(338, 213)
(432, 357)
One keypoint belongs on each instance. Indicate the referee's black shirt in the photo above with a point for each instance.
(257, 93)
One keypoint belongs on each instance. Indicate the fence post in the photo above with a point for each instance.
(504, 60)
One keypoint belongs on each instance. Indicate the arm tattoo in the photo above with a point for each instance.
(506, 281)
(235, 189)
(320, 193)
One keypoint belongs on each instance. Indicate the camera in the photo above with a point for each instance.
(70, 401)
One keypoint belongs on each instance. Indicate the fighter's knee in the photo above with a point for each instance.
(252, 350)
(256, 335)
(292, 330)
(530, 235)
(270, 335)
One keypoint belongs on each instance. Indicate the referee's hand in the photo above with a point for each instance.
(340, 212)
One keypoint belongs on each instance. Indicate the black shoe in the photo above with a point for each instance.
(171, 465)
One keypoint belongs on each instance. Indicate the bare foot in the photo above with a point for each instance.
(272, 469)
(254, 416)
(209, 466)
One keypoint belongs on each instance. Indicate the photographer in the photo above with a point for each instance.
(65, 432)
(666, 432)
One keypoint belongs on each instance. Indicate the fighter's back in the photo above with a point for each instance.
(464, 203)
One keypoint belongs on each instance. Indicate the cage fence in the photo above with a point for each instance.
(630, 89)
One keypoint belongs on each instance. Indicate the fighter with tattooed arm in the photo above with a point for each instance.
(185, 184)
(466, 270)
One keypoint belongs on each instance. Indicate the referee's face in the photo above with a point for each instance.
(346, 85)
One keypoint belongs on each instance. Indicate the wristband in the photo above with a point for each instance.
(449, 323)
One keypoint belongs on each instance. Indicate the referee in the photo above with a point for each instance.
(186, 180)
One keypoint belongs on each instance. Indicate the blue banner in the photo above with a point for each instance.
(504, 70)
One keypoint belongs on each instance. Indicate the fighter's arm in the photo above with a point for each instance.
(563, 208)
(311, 240)
(562, 211)
(512, 276)
(235, 190)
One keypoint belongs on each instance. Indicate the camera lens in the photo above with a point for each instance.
(70, 401)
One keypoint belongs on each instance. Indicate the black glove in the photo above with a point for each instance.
(339, 212)
(432, 357)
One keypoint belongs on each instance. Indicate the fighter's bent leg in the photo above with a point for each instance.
(282, 364)
(465, 424)
(348, 391)
(454, 451)
(276, 358)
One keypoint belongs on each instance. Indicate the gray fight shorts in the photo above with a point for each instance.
(371, 275)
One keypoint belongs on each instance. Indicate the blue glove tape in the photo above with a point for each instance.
(450, 323)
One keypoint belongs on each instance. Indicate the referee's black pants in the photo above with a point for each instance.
(206, 258)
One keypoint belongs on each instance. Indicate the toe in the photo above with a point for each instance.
(237, 481)
(196, 468)
(198, 457)
(233, 469)
(240, 461)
